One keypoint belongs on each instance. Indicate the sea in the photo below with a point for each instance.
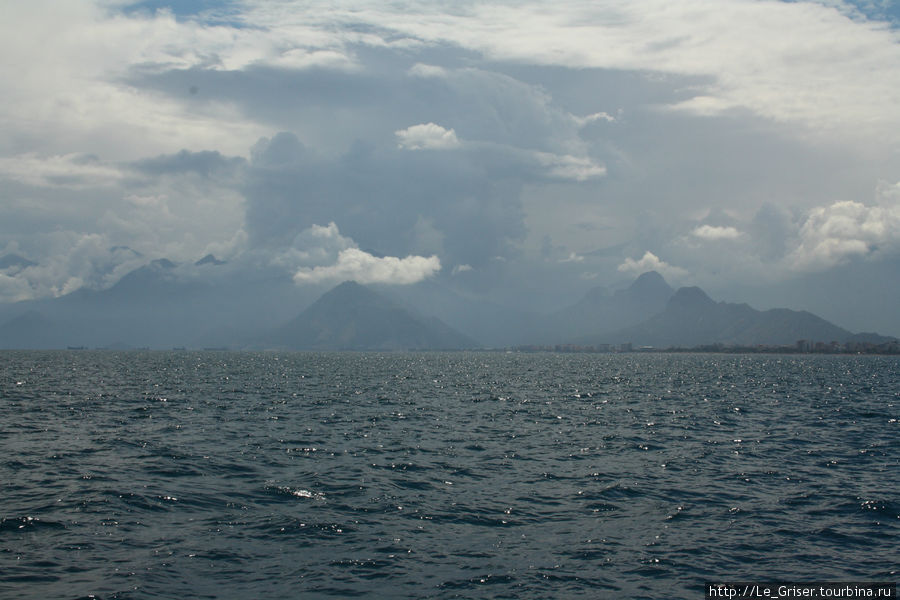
(182, 474)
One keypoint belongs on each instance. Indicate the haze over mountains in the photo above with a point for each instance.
(691, 318)
(156, 306)
(353, 317)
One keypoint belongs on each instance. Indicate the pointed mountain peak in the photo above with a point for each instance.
(162, 263)
(349, 285)
(209, 259)
(351, 316)
(349, 289)
(349, 294)
(691, 298)
(14, 260)
(650, 281)
(125, 249)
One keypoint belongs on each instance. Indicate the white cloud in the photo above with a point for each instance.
(321, 254)
(14, 289)
(573, 257)
(592, 118)
(71, 260)
(426, 136)
(627, 83)
(832, 235)
(357, 265)
(570, 167)
(714, 233)
(303, 58)
(68, 210)
(316, 246)
(802, 61)
(651, 262)
(786, 61)
(460, 269)
(427, 71)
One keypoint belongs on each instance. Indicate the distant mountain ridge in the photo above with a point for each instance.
(600, 312)
(151, 306)
(158, 306)
(691, 318)
(354, 317)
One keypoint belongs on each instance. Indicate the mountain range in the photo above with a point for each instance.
(157, 306)
(353, 317)
(691, 318)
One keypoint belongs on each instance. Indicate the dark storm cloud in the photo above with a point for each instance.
(204, 163)
(388, 90)
(379, 198)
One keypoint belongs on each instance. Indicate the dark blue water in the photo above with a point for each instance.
(232, 475)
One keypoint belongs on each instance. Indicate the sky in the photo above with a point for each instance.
(516, 151)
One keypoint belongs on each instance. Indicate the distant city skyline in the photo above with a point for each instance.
(514, 152)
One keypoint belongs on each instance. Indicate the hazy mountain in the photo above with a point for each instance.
(600, 312)
(15, 262)
(209, 259)
(494, 325)
(153, 307)
(853, 295)
(691, 318)
(164, 305)
(354, 317)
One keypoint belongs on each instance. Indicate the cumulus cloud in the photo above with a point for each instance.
(425, 71)
(810, 68)
(426, 136)
(651, 262)
(832, 235)
(70, 261)
(570, 167)
(393, 202)
(317, 245)
(714, 233)
(589, 114)
(68, 213)
(360, 266)
(321, 254)
(461, 269)
(14, 289)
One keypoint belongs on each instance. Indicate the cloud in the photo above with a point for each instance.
(65, 212)
(427, 136)
(460, 269)
(14, 289)
(594, 117)
(316, 246)
(573, 257)
(357, 265)
(610, 124)
(801, 62)
(320, 254)
(425, 71)
(65, 171)
(714, 233)
(651, 262)
(69, 261)
(835, 234)
(570, 167)
(462, 204)
(303, 58)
